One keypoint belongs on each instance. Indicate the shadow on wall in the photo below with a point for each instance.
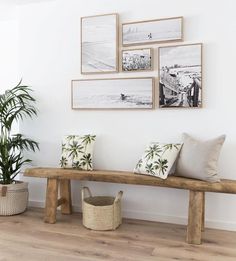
(226, 164)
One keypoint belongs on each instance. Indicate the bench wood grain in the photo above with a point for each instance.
(125, 177)
(58, 177)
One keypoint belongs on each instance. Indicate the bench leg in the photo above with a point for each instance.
(195, 215)
(203, 212)
(51, 201)
(65, 192)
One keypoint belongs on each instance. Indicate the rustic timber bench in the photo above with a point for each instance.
(58, 178)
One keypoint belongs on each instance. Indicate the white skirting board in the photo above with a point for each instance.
(231, 226)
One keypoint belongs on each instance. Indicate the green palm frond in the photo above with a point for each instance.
(70, 137)
(161, 165)
(86, 161)
(170, 146)
(139, 164)
(149, 167)
(63, 147)
(63, 162)
(87, 139)
(15, 104)
(74, 149)
(77, 165)
(152, 151)
(19, 142)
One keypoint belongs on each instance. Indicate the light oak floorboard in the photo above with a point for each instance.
(26, 237)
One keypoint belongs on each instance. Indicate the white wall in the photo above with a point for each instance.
(50, 57)
(8, 46)
(9, 76)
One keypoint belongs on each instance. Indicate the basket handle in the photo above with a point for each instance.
(85, 190)
(3, 192)
(118, 197)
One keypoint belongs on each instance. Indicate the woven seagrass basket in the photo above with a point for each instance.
(13, 198)
(101, 213)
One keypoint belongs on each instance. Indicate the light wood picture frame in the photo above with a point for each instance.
(136, 60)
(152, 31)
(113, 93)
(99, 44)
(180, 76)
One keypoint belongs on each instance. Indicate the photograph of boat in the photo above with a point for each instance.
(180, 76)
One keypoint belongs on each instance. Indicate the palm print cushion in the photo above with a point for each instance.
(77, 152)
(158, 159)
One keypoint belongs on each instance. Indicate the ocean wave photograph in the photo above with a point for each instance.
(125, 93)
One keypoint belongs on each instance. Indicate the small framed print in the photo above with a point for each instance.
(152, 31)
(99, 44)
(137, 60)
(115, 93)
(180, 76)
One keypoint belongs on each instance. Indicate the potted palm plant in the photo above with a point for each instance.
(15, 105)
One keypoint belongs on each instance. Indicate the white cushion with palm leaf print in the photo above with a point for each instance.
(77, 152)
(158, 159)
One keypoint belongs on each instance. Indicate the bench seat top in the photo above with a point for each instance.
(126, 177)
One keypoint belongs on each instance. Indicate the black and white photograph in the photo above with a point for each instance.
(137, 60)
(180, 76)
(116, 93)
(152, 31)
(99, 44)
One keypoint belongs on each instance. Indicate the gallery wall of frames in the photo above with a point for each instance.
(179, 82)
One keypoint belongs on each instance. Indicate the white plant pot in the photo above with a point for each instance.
(13, 198)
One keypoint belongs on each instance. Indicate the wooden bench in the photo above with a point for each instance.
(58, 178)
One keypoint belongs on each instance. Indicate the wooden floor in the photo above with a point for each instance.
(25, 237)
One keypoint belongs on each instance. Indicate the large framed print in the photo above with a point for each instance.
(152, 31)
(115, 93)
(137, 60)
(99, 44)
(180, 76)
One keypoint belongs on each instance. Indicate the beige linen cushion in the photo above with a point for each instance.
(199, 159)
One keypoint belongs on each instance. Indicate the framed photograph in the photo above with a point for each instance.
(117, 93)
(180, 76)
(152, 31)
(99, 44)
(137, 60)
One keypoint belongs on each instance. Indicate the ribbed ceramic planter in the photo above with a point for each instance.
(13, 198)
